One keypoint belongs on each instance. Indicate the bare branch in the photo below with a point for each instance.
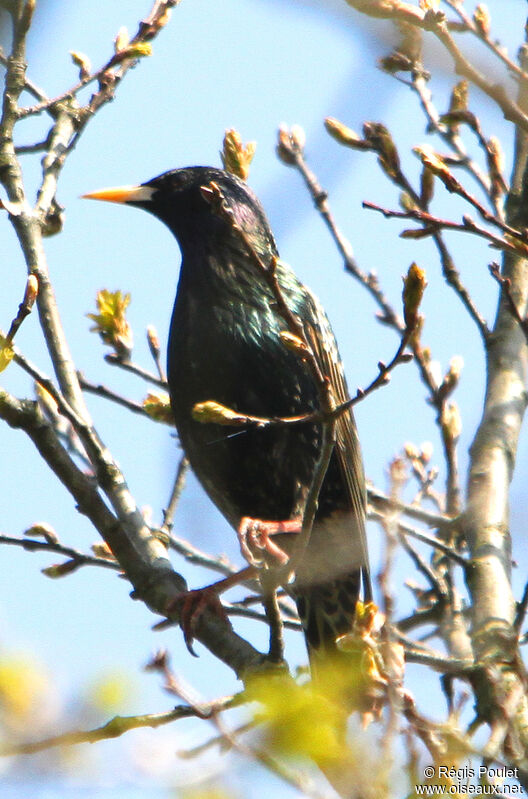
(102, 391)
(118, 726)
(435, 22)
(35, 545)
(128, 366)
(496, 49)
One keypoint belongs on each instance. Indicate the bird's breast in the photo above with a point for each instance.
(231, 352)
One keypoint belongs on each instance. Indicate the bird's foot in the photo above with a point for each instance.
(255, 535)
(193, 604)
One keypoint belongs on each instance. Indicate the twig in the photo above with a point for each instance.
(420, 618)
(238, 609)
(433, 224)
(419, 535)
(286, 602)
(35, 545)
(215, 740)
(177, 488)
(24, 309)
(118, 726)
(520, 614)
(274, 619)
(199, 558)
(155, 351)
(128, 366)
(102, 391)
(419, 86)
(228, 417)
(436, 662)
(436, 23)
(505, 284)
(435, 580)
(27, 149)
(438, 520)
(495, 48)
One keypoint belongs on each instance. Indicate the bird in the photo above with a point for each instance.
(225, 345)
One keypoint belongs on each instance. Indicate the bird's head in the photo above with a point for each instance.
(182, 199)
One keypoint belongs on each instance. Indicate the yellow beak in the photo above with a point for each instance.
(121, 194)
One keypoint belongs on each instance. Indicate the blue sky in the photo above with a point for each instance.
(251, 66)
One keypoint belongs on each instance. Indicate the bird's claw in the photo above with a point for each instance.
(191, 606)
(255, 540)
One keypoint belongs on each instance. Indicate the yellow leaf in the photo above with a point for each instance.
(111, 322)
(298, 720)
(158, 407)
(211, 412)
(236, 156)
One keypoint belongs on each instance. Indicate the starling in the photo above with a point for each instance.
(225, 345)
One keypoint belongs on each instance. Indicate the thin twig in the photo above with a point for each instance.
(520, 614)
(118, 726)
(419, 85)
(238, 609)
(199, 558)
(128, 366)
(419, 535)
(102, 391)
(433, 224)
(439, 663)
(155, 351)
(36, 545)
(24, 309)
(438, 520)
(494, 46)
(177, 488)
(435, 580)
(27, 149)
(505, 284)
(436, 23)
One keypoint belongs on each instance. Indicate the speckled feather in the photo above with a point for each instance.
(224, 345)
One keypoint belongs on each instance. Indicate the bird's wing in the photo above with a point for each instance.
(347, 446)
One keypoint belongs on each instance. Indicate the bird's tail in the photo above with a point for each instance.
(327, 611)
(328, 582)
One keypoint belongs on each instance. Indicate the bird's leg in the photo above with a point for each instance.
(192, 604)
(254, 536)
